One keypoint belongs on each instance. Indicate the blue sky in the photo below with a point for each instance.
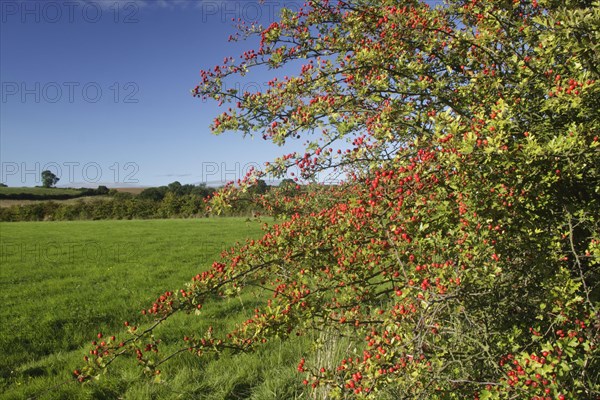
(99, 91)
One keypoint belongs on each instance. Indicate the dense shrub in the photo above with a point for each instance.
(461, 258)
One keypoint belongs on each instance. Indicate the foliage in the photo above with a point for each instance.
(188, 201)
(158, 193)
(121, 206)
(49, 179)
(154, 193)
(461, 257)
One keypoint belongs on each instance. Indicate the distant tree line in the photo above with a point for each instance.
(172, 201)
(177, 190)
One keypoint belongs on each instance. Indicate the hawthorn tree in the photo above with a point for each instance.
(461, 255)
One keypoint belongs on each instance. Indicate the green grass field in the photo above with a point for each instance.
(62, 282)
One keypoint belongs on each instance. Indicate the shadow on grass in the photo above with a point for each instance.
(240, 391)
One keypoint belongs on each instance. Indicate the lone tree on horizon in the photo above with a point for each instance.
(49, 179)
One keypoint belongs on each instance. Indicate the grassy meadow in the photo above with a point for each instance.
(63, 282)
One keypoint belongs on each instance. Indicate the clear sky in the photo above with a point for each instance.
(99, 91)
